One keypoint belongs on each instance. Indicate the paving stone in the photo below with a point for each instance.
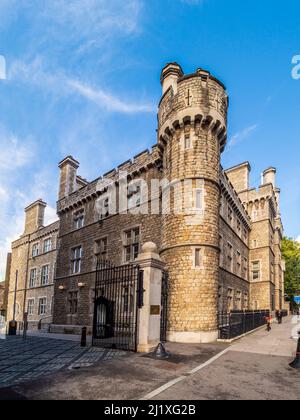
(23, 361)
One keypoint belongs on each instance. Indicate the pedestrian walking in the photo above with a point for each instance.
(269, 320)
(280, 316)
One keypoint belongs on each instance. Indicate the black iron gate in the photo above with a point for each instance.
(118, 297)
(164, 307)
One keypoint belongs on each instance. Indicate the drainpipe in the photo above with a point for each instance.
(26, 278)
(15, 297)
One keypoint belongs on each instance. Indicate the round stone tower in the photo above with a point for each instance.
(192, 123)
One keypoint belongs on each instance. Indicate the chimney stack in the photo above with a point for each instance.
(269, 177)
(68, 177)
(169, 77)
(34, 216)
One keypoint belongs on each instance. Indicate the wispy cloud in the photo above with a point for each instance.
(14, 152)
(60, 84)
(76, 19)
(242, 135)
(107, 100)
(298, 239)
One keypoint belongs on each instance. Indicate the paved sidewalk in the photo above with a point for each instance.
(278, 342)
(66, 337)
(255, 368)
(25, 360)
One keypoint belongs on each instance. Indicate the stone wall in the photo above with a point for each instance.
(113, 228)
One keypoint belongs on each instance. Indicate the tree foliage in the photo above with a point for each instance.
(291, 255)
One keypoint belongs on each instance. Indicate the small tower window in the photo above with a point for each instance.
(187, 141)
(199, 199)
(197, 258)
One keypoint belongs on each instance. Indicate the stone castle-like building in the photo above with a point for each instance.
(218, 238)
(32, 267)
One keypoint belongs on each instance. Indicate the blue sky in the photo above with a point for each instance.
(83, 79)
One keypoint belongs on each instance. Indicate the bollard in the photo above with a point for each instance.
(83, 337)
(161, 353)
(296, 363)
(12, 328)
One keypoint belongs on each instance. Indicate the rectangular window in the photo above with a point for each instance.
(73, 303)
(45, 275)
(76, 260)
(199, 199)
(79, 219)
(238, 263)
(131, 244)
(103, 207)
(197, 258)
(221, 244)
(134, 195)
(42, 306)
(35, 250)
(230, 299)
(33, 278)
(47, 245)
(238, 300)
(245, 268)
(255, 270)
(246, 301)
(230, 256)
(239, 227)
(187, 141)
(30, 307)
(101, 248)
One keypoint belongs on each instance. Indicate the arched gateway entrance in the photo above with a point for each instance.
(118, 298)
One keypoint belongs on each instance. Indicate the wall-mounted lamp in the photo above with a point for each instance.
(61, 288)
(81, 285)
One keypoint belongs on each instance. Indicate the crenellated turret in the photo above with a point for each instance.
(191, 135)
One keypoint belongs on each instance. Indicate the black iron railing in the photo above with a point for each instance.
(237, 323)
